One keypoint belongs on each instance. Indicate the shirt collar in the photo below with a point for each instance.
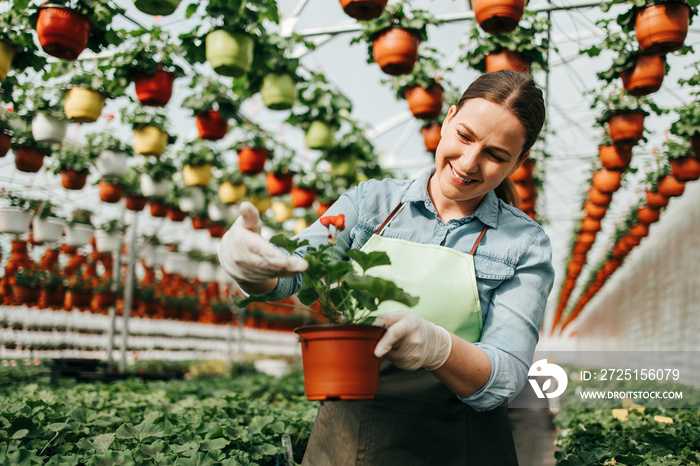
(487, 211)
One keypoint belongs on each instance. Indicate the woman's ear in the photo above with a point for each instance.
(450, 114)
(520, 162)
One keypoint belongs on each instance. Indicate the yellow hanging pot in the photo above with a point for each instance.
(281, 211)
(301, 225)
(150, 140)
(260, 203)
(7, 53)
(230, 192)
(197, 175)
(83, 105)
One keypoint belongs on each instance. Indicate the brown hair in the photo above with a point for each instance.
(519, 94)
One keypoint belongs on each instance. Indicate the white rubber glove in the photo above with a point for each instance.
(411, 342)
(247, 257)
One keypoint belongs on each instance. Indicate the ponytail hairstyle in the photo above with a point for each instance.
(519, 94)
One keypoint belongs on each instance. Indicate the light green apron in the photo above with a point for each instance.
(417, 420)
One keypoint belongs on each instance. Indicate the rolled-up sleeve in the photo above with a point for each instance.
(512, 325)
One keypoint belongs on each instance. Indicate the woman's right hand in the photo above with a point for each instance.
(250, 259)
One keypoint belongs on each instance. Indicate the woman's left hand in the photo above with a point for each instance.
(411, 342)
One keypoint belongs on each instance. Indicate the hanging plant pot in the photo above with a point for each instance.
(150, 140)
(48, 129)
(424, 103)
(669, 186)
(158, 209)
(639, 230)
(62, 32)
(47, 229)
(498, 16)
(626, 127)
(598, 197)
(525, 172)
(662, 28)
(72, 179)
(526, 191)
(580, 248)
(230, 193)
(216, 230)
(252, 161)
(322, 208)
(685, 168)
(110, 192)
(656, 200)
(319, 135)
(136, 203)
(107, 242)
(278, 91)
(262, 203)
(646, 76)
(396, 51)
(431, 136)
(229, 53)
(52, 299)
(14, 220)
(7, 53)
(112, 163)
(586, 237)
(101, 302)
(614, 157)
(339, 361)
(607, 181)
(175, 214)
(197, 175)
(594, 211)
(343, 165)
(528, 205)
(211, 126)
(78, 235)
(5, 143)
(77, 299)
(647, 215)
(193, 201)
(590, 224)
(282, 211)
(152, 188)
(28, 159)
(155, 89)
(303, 197)
(694, 144)
(200, 223)
(83, 105)
(507, 60)
(25, 295)
(157, 7)
(363, 9)
(278, 184)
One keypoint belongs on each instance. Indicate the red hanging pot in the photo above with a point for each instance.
(216, 230)
(526, 191)
(175, 214)
(424, 103)
(647, 215)
(396, 51)
(646, 76)
(669, 186)
(339, 361)
(590, 224)
(621, 249)
(431, 136)
(211, 125)
(615, 157)
(607, 181)
(110, 192)
(626, 127)
(528, 204)
(25, 295)
(685, 168)
(28, 159)
(594, 211)
(662, 28)
(656, 200)
(524, 172)
(154, 89)
(5, 142)
(136, 203)
(598, 197)
(639, 230)
(278, 184)
(303, 197)
(582, 248)
(158, 209)
(586, 237)
(498, 16)
(72, 179)
(363, 9)
(200, 223)
(62, 33)
(507, 60)
(252, 161)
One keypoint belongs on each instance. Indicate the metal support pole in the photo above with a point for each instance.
(229, 348)
(241, 324)
(117, 274)
(128, 294)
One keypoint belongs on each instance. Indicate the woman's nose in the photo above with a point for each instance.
(468, 162)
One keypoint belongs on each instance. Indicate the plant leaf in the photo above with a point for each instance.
(288, 244)
(382, 290)
(368, 260)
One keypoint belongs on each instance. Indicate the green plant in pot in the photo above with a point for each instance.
(228, 45)
(348, 158)
(323, 109)
(47, 225)
(687, 126)
(213, 104)
(254, 146)
(29, 153)
(72, 162)
(198, 160)
(232, 186)
(108, 153)
(157, 7)
(685, 166)
(346, 295)
(150, 125)
(156, 176)
(43, 106)
(280, 174)
(18, 50)
(27, 284)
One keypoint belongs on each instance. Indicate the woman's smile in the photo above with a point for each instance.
(462, 180)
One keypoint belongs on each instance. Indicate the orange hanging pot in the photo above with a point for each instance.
(507, 60)
(278, 184)
(25, 295)
(626, 127)
(28, 159)
(639, 230)
(615, 157)
(363, 9)
(303, 197)
(524, 172)
(154, 89)
(669, 186)
(339, 361)
(590, 224)
(528, 205)
(661, 28)
(621, 249)
(498, 16)
(200, 223)
(526, 191)
(72, 179)
(685, 168)
(424, 103)
(110, 192)
(211, 125)
(582, 248)
(594, 210)
(216, 230)
(5, 142)
(647, 215)
(607, 181)
(136, 203)
(598, 197)
(158, 209)
(175, 214)
(395, 50)
(62, 32)
(656, 200)
(252, 161)
(645, 76)
(431, 136)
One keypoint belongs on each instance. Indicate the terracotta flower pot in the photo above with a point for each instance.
(621, 249)
(51, 299)
(639, 230)
(615, 157)
(230, 193)
(669, 186)
(200, 223)
(303, 197)
(278, 184)
(28, 159)
(396, 51)
(150, 140)
(582, 248)
(431, 136)
(101, 302)
(175, 214)
(5, 142)
(320, 135)
(424, 103)
(229, 53)
(647, 215)
(646, 76)
(62, 32)
(25, 295)
(110, 192)
(154, 89)
(7, 53)
(526, 191)
(656, 200)
(626, 128)
(83, 105)
(607, 181)
(278, 91)
(498, 16)
(216, 230)
(339, 361)
(71, 179)
(158, 209)
(252, 161)
(197, 175)
(363, 9)
(507, 60)
(525, 172)
(586, 237)
(590, 224)
(685, 168)
(211, 126)
(598, 197)
(77, 299)
(662, 28)
(136, 203)
(322, 208)
(594, 210)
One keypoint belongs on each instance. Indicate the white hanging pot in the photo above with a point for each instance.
(193, 201)
(48, 129)
(175, 262)
(79, 234)
(191, 268)
(222, 277)
(154, 256)
(47, 229)
(219, 212)
(14, 220)
(151, 188)
(206, 272)
(107, 242)
(112, 163)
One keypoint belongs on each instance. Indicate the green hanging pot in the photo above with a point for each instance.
(230, 53)
(344, 166)
(278, 91)
(157, 7)
(320, 135)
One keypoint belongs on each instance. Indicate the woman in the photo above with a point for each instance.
(481, 268)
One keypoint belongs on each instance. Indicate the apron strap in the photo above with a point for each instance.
(391, 216)
(478, 240)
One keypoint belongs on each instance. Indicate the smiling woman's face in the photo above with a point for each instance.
(480, 146)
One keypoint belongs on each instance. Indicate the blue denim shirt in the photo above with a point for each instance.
(514, 272)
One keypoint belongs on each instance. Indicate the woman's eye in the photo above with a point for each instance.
(495, 157)
(463, 136)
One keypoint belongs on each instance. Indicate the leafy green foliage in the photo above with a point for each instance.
(426, 72)
(320, 101)
(688, 123)
(627, 18)
(98, 142)
(147, 51)
(112, 226)
(29, 277)
(199, 152)
(159, 168)
(211, 94)
(81, 216)
(673, 149)
(15, 30)
(271, 56)
(72, 156)
(612, 101)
